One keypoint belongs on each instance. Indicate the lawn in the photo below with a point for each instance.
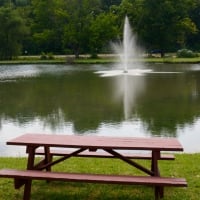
(185, 165)
(102, 59)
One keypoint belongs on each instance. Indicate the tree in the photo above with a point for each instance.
(46, 27)
(80, 14)
(193, 40)
(12, 31)
(106, 4)
(2, 2)
(102, 31)
(165, 24)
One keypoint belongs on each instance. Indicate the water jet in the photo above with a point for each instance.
(127, 51)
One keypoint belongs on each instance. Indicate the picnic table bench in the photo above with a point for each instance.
(87, 146)
(103, 154)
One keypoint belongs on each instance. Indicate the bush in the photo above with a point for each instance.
(50, 56)
(43, 56)
(186, 53)
(46, 56)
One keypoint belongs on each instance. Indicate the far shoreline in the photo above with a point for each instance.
(101, 59)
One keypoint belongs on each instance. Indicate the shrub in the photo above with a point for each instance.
(45, 56)
(50, 56)
(186, 53)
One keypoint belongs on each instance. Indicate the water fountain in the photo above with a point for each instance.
(128, 44)
(128, 52)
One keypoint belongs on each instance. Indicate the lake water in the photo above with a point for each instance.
(73, 99)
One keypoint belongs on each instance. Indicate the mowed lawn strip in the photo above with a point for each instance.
(185, 165)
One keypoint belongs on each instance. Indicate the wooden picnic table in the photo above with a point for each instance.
(79, 145)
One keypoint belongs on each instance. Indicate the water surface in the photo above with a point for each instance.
(73, 99)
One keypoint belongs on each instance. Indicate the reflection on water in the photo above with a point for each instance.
(65, 99)
(128, 89)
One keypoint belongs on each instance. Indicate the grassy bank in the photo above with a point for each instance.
(185, 165)
(102, 59)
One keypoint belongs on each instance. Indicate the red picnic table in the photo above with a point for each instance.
(49, 145)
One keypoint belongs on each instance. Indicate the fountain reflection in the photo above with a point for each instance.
(129, 90)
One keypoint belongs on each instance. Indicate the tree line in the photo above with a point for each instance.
(30, 27)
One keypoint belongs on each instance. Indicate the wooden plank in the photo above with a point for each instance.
(93, 178)
(98, 142)
(97, 154)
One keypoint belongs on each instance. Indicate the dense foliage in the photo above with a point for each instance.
(87, 26)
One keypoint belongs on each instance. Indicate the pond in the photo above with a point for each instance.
(74, 99)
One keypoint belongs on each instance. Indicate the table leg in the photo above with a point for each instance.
(27, 190)
(154, 163)
(159, 190)
(48, 157)
(30, 165)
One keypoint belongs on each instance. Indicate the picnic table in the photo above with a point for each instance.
(48, 146)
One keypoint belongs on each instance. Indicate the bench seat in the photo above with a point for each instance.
(97, 154)
(94, 178)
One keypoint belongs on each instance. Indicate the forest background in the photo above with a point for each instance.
(34, 27)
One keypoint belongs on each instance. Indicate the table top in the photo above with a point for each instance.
(98, 142)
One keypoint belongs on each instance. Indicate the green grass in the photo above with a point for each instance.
(185, 165)
(101, 60)
(172, 60)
